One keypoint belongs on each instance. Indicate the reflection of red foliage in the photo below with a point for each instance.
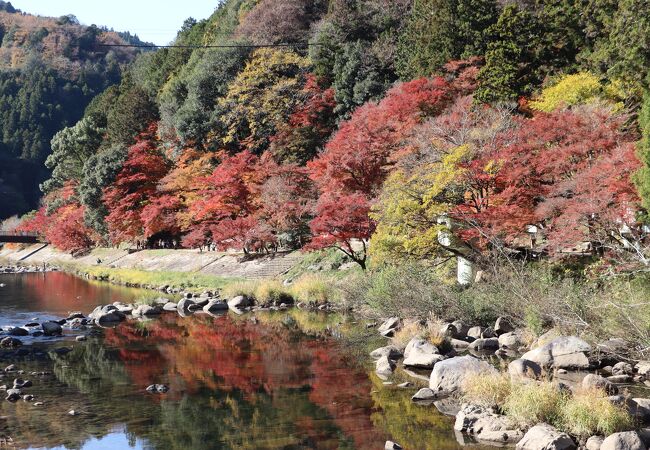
(238, 355)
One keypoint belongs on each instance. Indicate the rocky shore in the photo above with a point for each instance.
(27, 269)
(566, 363)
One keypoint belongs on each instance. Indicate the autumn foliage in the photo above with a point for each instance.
(424, 160)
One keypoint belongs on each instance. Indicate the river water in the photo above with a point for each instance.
(279, 381)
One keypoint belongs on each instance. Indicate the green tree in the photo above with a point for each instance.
(507, 71)
(642, 177)
(99, 171)
(71, 148)
(441, 30)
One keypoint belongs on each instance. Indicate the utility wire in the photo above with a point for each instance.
(297, 44)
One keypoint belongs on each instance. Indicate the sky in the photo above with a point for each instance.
(155, 21)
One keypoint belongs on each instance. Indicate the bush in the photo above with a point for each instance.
(532, 403)
(487, 390)
(313, 288)
(245, 288)
(589, 412)
(272, 291)
(409, 330)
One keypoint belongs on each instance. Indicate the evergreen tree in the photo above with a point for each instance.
(506, 73)
(443, 30)
(642, 177)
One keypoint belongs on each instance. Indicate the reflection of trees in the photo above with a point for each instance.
(234, 384)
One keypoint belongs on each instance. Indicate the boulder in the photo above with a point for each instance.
(10, 342)
(390, 445)
(80, 338)
(487, 426)
(475, 332)
(510, 340)
(384, 366)
(147, 310)
(620, 378)
(503, 326)
(628, 440)
(422, 354)
(461, 329)
(545, 437)
(449, 330)
(241, 301)
(389, 327)
(594, 443)
(448, 376)
(158, 388)
(523, 369)
(17, 331)
(643, 368)
(424, 395)
(593, 381)
(488, 333)
(184, 305)
(390, 351)
(51, 329)
(111, 317)
(566, 352)
(643, 407)
(636, 410)
(170, 307)
(458, 344)
(484, 344)
(622, 368)
(215, 306)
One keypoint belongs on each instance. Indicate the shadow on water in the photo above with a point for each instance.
(280, 382)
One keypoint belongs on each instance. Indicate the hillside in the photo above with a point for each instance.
(50, 69)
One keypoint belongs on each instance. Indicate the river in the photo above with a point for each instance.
(270, 381)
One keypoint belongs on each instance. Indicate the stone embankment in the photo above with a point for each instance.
(231, 265)
(572, 365)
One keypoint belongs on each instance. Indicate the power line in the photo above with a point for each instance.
(296, 44)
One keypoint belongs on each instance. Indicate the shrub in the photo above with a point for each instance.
(589, 412)
(487, 390)
(313, 288)
(245, 288)
(532, 403)
(409, 330)
(272, 291)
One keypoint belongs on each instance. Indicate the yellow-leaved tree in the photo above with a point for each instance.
(261, 97)
(410, 207)
(579, 89)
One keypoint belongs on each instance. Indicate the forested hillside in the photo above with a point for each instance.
(395, 131)
(50, 69)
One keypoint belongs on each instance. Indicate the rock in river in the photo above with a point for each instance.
(422, 354)
(628, 440)
(215, 306)
(545, 437)
(561, 353)
(51, 328)
(17, 331)
(9, 342)
(158, 388)
(448, 376)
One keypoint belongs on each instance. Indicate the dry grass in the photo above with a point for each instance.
(245, 288)
(272, 291)
(532, 403)
(433, 334)
(313, 288)
(589, 412)
(409, 330)
(489, 391)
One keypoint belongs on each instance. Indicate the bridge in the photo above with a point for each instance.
(19, 237)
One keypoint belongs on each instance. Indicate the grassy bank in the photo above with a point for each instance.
(188, 281)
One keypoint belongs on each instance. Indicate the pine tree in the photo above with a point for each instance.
(507, 57)
(442, 30)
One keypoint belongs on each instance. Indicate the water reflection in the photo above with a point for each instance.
(279, 382)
